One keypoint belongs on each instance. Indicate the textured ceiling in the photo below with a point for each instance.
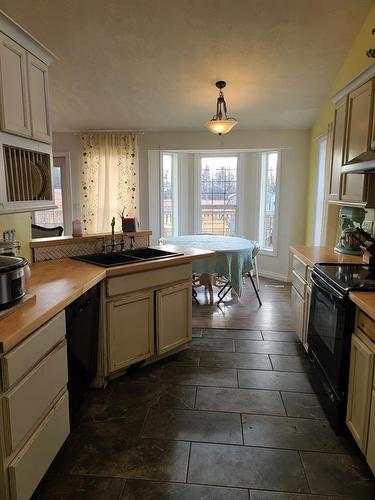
(152, 64)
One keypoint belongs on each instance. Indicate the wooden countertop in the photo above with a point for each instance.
(365, 301)
(57, 283)
(311, 255)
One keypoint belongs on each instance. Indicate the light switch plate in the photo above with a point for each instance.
(368, 226)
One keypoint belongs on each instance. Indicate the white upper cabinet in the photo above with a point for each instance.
(24, 109)
(15, 116)
(38, 95)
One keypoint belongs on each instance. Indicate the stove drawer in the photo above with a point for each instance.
(366, 324)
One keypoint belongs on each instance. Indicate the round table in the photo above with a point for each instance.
(233, 255)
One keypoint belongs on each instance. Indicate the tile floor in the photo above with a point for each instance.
(231, 418)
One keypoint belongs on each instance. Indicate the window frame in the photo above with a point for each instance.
(66, 187)
(261, 205)
(175, 194)
(198, 188)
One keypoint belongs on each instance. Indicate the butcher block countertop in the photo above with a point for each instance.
(57, 283)
(365, 301)
(312, 255)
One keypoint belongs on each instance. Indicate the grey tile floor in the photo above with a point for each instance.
(233, 417)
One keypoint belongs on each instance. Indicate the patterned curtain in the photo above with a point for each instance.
(109, 177)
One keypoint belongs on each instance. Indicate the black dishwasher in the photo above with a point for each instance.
(82, 326)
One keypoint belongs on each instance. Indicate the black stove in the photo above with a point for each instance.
(346, 277)
(331, 325)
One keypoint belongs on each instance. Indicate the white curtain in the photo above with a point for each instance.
(109, 178)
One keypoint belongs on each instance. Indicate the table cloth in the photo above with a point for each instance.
(233, 255)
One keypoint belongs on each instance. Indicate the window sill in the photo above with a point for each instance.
(268, 253)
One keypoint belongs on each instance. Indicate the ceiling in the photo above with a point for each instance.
(153, 64)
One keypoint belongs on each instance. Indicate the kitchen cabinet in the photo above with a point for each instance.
(354, 188)
(300, 298)
(147, 314)
(24, 92)
(130, 329)
(15, 114)
(360, 384)
(173, 309)
(38, 95)
(337, 158)
(359, 123)
(31, 434)
(370, 454)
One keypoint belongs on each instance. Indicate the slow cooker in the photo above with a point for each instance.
(14, 273)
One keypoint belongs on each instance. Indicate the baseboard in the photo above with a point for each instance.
(274, 276)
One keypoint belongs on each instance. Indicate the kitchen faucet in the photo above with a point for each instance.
(113, 243)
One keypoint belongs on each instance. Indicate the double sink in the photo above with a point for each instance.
(125, 257)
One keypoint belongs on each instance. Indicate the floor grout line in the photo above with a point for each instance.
(188, 464)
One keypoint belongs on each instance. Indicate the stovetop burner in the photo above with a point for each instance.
(348, 277)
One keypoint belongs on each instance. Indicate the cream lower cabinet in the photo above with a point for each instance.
(360, 385)
(173, 326)
(147, 314)
(300, 298)
(298, 305)
(130, 329)
(34, 408)
(370, 454)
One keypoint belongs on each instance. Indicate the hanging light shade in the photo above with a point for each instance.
(220, 123)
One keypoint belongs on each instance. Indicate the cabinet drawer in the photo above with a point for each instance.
(30, 465)
(26, 404)
(299, 284)
(149, 279)
(366, 324)
(299, 267)
(17, 362)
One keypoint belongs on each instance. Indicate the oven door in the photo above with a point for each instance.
(330, 328)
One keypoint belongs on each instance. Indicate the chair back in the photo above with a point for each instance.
(45, 232)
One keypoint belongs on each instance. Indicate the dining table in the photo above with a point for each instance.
(233, 257)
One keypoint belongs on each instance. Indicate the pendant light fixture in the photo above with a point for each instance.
(220, 123)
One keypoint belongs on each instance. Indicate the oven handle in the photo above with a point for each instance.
(327, 288)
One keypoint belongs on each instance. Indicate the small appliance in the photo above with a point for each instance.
(349, 217)
(14, 273)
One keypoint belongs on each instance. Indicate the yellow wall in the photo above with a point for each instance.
(355, 63)
(22, 224)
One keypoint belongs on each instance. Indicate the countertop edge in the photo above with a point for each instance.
(10, 341)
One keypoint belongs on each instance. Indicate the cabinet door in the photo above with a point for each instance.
(353, 188)
(131, 330)
(38, 95)
(360, 384)
(306, 317)
(298, 305)
(337, 159)
(371, 435)
(13, 80)
(358, 131)
(173, 316)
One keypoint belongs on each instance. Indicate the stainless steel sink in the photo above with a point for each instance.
(125, 257)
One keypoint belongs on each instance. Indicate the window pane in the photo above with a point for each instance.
(52, 218)
(167, 195)
(268, 199)
(218, 195)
